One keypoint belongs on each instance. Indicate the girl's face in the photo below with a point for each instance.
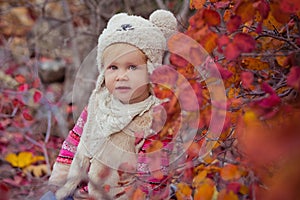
(126, 75)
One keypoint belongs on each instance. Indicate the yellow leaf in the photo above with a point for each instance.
(36, 170)
(24, 159)
(37, 158)
(12, 159)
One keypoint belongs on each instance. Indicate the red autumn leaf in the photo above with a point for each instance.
(234, 186)
(27, 115)
(4, 190)
(198, 91)
(23, 87)
(269, 102)
(37, 96)
(259, 28)
(293, 78)
(244, 42)
(223, 40)
(247, 79)
(188, 99)
(178, 61)
(290, 6)
(267, 88)
(234, 23)
(221, 4)
(159, 118)
(164, 75)
(193, 150)
(211, 17)
(36, 83)
(272, 98)
(162, 92)
(225, 74)
(232, 51)
(263, 8)
(20, 79)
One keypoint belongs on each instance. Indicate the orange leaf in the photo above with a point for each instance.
(154, 146)
(254, 64)
(211, 17)
(183, 191)
(230, 172)
(197, 180)
(138, 194)
(227, 14)
(197, 4)
(210, 41)
(245, 10)
(225, 195)
(204, 192)
(20, 79)
(280, 16)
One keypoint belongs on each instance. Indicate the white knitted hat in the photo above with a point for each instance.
(150, 36)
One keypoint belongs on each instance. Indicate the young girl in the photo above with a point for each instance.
(119, 108)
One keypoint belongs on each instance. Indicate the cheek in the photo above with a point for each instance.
(108, 82)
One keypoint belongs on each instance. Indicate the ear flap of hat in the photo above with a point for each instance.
(165, 21)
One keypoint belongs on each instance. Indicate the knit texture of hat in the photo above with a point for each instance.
(150, 36)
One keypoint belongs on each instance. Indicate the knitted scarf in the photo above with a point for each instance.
(107, 115)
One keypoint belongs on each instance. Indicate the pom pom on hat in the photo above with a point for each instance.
(164, 20)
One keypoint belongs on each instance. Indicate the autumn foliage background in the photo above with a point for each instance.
(255, 45)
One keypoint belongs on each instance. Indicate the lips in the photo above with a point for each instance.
(122, 88)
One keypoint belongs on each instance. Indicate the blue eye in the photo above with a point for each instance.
(132, 67)
(112, 67)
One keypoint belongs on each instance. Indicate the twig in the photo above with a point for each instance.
(43, 147)
(160, 4)
(48, 127)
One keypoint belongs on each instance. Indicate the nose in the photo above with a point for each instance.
(122, 75)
